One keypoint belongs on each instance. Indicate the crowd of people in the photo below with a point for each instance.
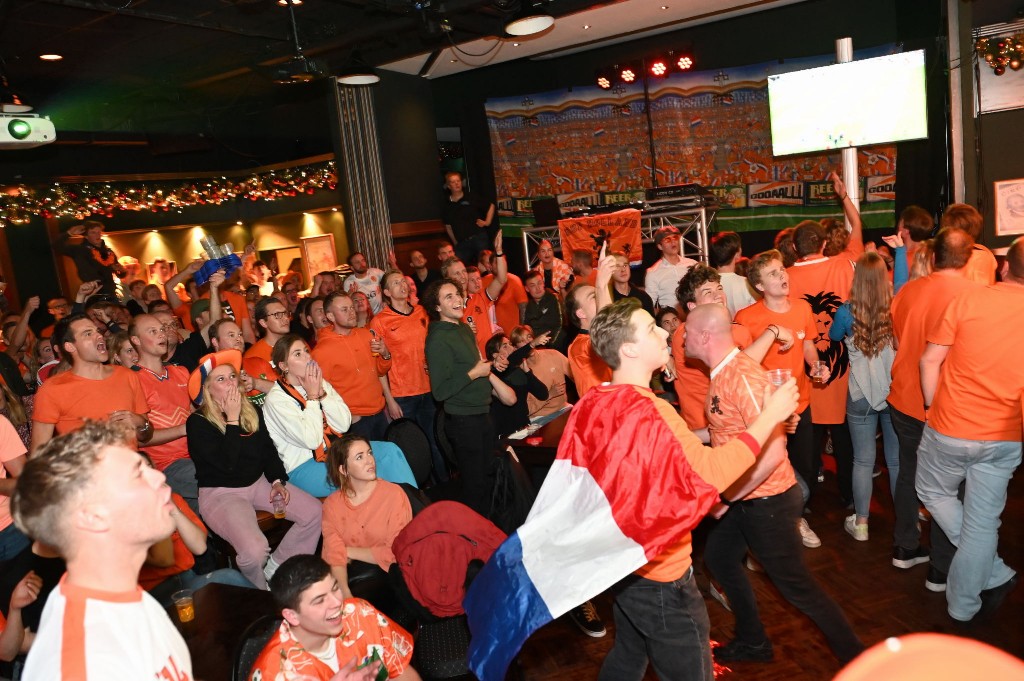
(244, 396)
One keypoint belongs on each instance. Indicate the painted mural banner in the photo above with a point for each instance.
(708, 127)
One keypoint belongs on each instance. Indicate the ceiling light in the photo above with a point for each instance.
(628, 75)
(357, 72)
(529, 21)
(659, 68)
(284, 3)
(604, 83)
(586, 27)
(51, 57)
(684, 63)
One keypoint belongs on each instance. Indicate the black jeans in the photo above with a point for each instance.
(842, 450)
(906, 532)
(473, 441)
(767, 527)
(372, 427)
(802, 456)
(664, 622)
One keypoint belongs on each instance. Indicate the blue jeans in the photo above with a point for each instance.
(12, 542)
(181, 478)
(190, 580)
(372, 427)
(972, 525)
(664, 622)
(422, 409)
(863, 422)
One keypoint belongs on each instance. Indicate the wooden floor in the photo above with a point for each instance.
(879, 599)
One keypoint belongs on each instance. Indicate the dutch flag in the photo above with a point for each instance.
(510, 141)
(598, 132)
(620, 492)
(695, 122)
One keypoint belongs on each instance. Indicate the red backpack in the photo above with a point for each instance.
(435, 549)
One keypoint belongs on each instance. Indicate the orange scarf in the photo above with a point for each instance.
(320, 453)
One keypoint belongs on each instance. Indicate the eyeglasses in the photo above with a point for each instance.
(278, 315)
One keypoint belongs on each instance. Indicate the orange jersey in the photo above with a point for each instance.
(506, 307)
(586, 368)
(349, 365)
(692, 376)
(825, 284)
(979, 391)
(733, 403)
(799, 318)
(480, 311)
(915, 311)
(405, 336)
(169, 406)
(982, 266)
(67, 400)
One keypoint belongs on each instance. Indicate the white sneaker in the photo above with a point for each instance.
(270, 568)
(810, 539)
(858, 532)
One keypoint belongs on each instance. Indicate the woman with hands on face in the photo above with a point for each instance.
(303, 413)
(239, 471)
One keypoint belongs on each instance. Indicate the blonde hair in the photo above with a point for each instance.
(922, 263)
(870, 300)
(248, 419)
(13, 407)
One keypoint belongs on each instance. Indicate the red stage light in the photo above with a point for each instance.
(628, 75)
(659, 68)
(604, 83)
(684, 63)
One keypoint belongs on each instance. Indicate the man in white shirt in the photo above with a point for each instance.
(664, 275)
(726, 251)
(102, 506)
(366, 279)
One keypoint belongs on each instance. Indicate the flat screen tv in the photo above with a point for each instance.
(854, 104)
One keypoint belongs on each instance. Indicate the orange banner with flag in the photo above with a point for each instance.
(621, 230)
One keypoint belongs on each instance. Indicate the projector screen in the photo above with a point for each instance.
(869, 101)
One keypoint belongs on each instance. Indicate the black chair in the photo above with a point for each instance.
(413, 442)
(251, 644)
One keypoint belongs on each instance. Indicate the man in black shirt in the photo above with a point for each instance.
(467, 219)
(93, 259)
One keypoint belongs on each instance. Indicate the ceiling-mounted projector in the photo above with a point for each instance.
(24, 131)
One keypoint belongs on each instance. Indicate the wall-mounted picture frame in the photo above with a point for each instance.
(318, 255)
(1009, 204)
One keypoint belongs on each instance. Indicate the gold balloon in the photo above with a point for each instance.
(1015, 64)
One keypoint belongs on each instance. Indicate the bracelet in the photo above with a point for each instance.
(231, 423)
(725, 500)
(775, 330)
(844, 197)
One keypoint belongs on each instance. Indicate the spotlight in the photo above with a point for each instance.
(659, 68)
(628, 75)
(684, 63)
(529, 20)
(604, 83)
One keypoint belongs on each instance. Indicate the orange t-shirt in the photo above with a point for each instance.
(733, 403)
(151, 575)
(825, 284)
(349, 366)
(405, 336)
(506, 307)
(982, 265)
(980, 385)
(692, 376)
(480, 309)
(11, 447)
(586, 368)
(169, 406)
(757, 317)
(67, 400)
(256, 360)
(915, 311)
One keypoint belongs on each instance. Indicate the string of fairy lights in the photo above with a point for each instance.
(20, 203)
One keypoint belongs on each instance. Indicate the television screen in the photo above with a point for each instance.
(855, 104)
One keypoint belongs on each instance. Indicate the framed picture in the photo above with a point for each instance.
(318, 254)
(1009, 203)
